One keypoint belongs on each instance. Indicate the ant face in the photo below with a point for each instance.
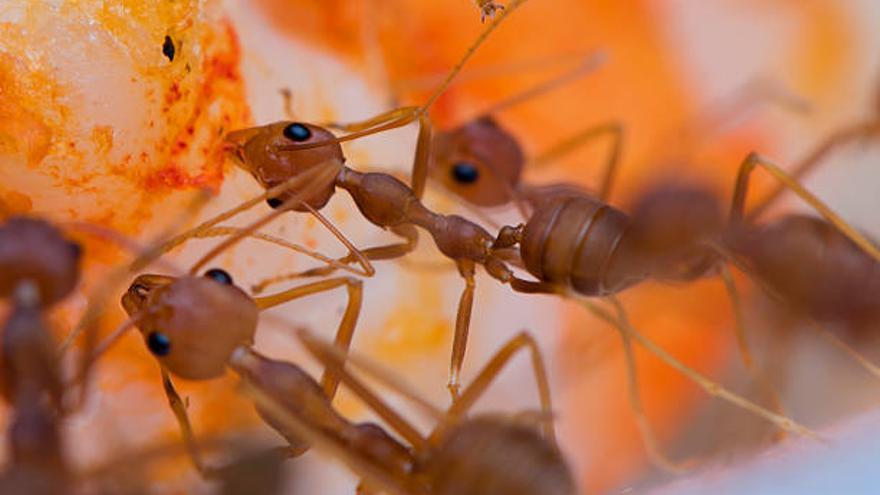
(192, 324)
(258, 151)
(479, 161)
(34, 250)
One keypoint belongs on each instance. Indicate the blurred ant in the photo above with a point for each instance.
(484, 455)
(39, 268)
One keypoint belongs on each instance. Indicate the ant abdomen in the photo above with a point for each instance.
(465, 462)
(192, 324)
(258, 151)
(573, 242)
(815, 268)
(34, 250)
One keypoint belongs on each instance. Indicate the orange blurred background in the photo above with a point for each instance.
(669, 60)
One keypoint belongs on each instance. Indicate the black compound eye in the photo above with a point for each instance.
(297, 132)
(274, 203)
(168, 48)
(465, 172)
(218, 275)
(159, 344)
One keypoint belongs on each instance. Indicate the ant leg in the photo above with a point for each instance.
(462, 326)
(179, 408)
(742, 341)
(615, 132)
(423, 157)
(840, 138)
(312, 174)
(490, 372)
(406, 115)
(735, 106)
(395, 115)
(622, 324)
(364, 466)
(324, 178)
(224, 231)
(345, 331)
(739, 195)
(387, 252)
(588, 65)
(336, 361)
(649, 437)
(870, 367)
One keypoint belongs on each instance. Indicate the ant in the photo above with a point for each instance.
(179, 317)
(384, 200)
(39, 268)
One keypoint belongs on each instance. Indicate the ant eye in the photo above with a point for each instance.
(159, 344)
(297, 132)
(274, 203)
(219, 275)
(465, 173)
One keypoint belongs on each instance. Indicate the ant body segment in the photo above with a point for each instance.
(40, 267)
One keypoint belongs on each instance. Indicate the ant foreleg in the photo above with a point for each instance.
(345, 332)
(614, 131)
(742, 340)
(840, 138)
(462, 325)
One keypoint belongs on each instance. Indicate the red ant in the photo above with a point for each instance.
(179, 317)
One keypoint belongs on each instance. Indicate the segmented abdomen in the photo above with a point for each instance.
(573, 242)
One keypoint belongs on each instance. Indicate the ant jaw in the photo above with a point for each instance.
(140, 290)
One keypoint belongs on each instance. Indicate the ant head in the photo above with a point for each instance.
(259, 150)
(192, 324)
(31, 249)
(479, 161)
